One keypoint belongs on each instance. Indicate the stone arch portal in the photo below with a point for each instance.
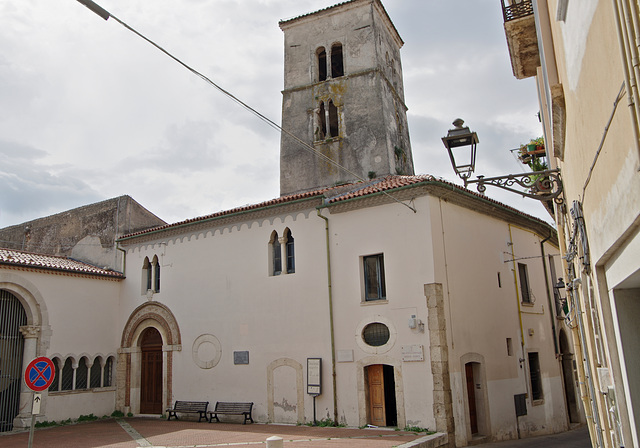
(130, 356)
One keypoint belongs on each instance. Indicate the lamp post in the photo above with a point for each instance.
(541, 185)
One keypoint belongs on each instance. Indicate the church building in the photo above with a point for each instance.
(364, 294)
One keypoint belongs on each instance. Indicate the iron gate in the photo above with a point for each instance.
(12, 316)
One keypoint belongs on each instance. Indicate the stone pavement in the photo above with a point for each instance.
(154, 432)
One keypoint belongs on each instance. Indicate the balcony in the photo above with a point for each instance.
(522, 40)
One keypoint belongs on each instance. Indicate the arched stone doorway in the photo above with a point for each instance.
(474, 393)
(149, 339)
(568, 379)
(151, 372)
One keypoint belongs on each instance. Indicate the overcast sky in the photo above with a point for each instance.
(89, 111)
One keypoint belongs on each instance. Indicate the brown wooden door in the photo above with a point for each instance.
(471, 395)
(376, 395)
(151, 373)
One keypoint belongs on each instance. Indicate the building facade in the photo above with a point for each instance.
(396, 301)
(584, 57)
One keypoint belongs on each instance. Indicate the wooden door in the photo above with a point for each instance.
(376, 395)
(471, 395)
(151, 372)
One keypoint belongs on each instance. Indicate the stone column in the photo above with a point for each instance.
(30, 334)
(439, 352)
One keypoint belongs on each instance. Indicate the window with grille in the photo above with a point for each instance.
(374, 283)
(82, 374)
(108, 372)
(535, 376)
(96, 373)
(67, 375)
(375, 334)
(55, 385)
(525, 289)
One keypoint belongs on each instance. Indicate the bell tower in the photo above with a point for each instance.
(344, 96)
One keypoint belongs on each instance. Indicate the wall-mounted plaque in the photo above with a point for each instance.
(412, 353)
(314, 376)
(241, 357)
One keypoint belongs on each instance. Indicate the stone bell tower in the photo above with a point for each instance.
(343, 96)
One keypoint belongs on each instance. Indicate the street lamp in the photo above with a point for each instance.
(541, 185)
(464, 142)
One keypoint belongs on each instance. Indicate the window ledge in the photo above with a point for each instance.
(374, 302)
(537, 402)
(530, 304)
(327, 140)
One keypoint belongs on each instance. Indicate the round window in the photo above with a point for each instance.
(375, 334)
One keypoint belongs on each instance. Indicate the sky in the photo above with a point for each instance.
(90, 111)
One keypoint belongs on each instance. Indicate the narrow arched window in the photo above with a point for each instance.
(147, 274)
(67, 375)
(82, 374)
(322, 64)
(291, 258)
(96, 373)
(156, 275)
(55, 384)
(107, 372)
(333, 119)
(276, 254)
(337, 65)
(322, 123)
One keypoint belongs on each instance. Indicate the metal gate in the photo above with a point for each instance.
(12, 316)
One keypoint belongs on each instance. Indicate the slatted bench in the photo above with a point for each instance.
(193, 407)
(228, 408)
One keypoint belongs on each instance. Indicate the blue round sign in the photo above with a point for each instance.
(39, 374)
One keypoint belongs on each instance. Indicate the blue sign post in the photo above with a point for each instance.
(38, 376)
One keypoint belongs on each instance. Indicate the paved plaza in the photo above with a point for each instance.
(154, 432)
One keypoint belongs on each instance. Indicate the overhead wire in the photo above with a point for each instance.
(106, 15)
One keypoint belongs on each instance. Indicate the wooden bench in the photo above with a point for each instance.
(227, 408)
(199, 407)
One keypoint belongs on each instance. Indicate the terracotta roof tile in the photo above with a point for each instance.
(335, 195)
(32, 260)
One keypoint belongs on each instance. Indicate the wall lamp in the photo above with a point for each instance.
(461, 145)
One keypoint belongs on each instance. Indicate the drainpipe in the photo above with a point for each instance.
(333, 343)
(515, 281)
(124, 259)
(546, 282)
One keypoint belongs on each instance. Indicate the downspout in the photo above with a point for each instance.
(333, 343)
(515, 280)
(124, 259)
(546, 282)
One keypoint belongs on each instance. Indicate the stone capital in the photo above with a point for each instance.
(30, 331)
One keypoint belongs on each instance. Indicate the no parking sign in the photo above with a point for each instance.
(39, 374)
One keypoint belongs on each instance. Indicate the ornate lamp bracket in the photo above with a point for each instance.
(541, 185)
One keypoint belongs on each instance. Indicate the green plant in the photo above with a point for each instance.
(46, 424)
(87, 418)
(409, 428)
(117, 414)
(129, 414)
(372, 174)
